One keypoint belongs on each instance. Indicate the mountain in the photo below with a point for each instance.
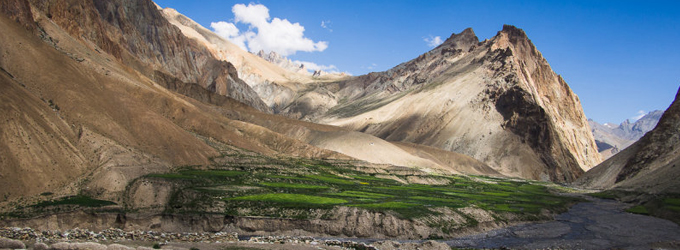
(282, 62)
(648, 165)
(612, 139)
(98, 93)
(275, 79)
(496, 100)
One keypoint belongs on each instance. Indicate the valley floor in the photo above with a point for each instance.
(597, 224)
(594, 224)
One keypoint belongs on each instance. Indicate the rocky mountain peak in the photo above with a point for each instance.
(282, 62)
(462, 41)
(513, 32)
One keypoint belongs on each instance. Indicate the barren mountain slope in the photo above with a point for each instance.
(136, 33)
(497, 101)
(650, 165)
(101, 107)
(80, 120)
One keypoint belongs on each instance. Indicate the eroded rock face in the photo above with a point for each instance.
(136, 33)
(497, 100)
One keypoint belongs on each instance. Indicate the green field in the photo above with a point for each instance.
(308, 185)
(247, 184)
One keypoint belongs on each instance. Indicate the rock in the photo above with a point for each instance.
(77, 246)
(40, 246)
(118, 247)
(11, 244)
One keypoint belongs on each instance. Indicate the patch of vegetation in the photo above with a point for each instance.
(301, 188)
(78, 200)
(291, 198)
(638, 210)
(604, 195)
(291, 185)
(330, 179)
(360, 194)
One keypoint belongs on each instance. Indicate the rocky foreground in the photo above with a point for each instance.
(110, 239)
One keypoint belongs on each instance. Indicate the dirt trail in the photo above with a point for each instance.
(597, 224)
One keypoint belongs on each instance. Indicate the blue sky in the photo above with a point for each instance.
(619, 57)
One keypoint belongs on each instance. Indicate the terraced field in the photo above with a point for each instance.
(306, 188)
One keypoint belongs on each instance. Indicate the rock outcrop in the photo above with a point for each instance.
(497, 100)
(649, 165)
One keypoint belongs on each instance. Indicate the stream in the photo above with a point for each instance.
(597, 224)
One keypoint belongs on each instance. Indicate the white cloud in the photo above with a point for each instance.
(326, 25)
(265, 33)
(433, 41)
(639, 115)
(230, 32)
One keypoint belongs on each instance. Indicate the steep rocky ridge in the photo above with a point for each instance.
(610, 140)
(497, 100)
(136, 33)
(649, 165)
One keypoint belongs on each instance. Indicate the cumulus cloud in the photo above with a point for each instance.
(230, 32)
(433, 41)
(264, 33)
(639, 115)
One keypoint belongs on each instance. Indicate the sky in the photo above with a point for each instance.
(622, 58)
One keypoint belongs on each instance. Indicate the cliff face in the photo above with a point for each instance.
(136, 33)
(649, 165)
(497, 100)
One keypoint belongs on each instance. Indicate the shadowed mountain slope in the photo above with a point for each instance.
(497, 100)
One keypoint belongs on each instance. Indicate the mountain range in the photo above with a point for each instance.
(117, 100)
(612, 139)
(649, 164)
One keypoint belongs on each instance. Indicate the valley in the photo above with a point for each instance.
(125, 122)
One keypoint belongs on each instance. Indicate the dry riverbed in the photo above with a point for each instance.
(597, 224)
